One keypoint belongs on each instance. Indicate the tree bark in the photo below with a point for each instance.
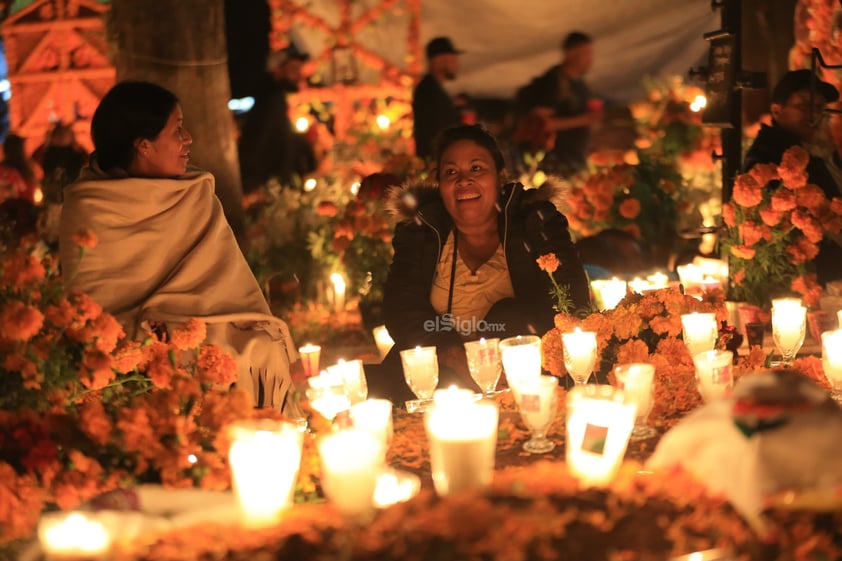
(180, 45)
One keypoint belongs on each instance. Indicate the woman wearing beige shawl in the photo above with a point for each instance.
(165, 251)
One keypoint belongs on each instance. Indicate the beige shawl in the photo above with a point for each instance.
(166, 253)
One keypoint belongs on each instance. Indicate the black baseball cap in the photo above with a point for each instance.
(798, 80)
(441, 46)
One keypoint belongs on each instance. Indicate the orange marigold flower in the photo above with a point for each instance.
(793, 179)
(128, 356)
(739, 277)
(216, 366)
(764, 173)
(548, 262)
(96, 371)
(160, 364)
(808, 288)
(747, 192)
(19, 321)
(795, 158)
(189, 335)
(86, 308)
(751, 232)
(60, 314)
(811, 197)
(811, 227)
(836, 205)
(327, 208)
(94, 421)
(729, 214)
(630, 208)
(783, 200)
(85, 238)
(770, 217)
(742, 252)
(21, 269)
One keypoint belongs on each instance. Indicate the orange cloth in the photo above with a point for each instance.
(166, 253)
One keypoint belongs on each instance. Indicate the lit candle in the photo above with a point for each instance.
(484, 363)
(636, 381)
(521, 357)
(265, 457)
(421, 370)
(310, 358)
(328, 400)
(714, 375)
(352, 460)
(789, 326)
(338, 292)
(72, 535)
(609, 292)
(832, 361)
(839, 318)
(352, 378)
(599, 424)
(658, 280)
(690, 276)
(374, 416)
(463, 442)
(639, 285)
(700, 332)
(395, 486)
(579, 354)
(383, 340)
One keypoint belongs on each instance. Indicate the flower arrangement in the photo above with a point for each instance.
(643, 199)
(775, 222)
(84, 411)
(642, 328)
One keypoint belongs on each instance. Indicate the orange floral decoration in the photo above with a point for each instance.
(775, 222)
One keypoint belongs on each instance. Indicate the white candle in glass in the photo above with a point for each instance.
(463, 442)
(658, 280)
(73, 535)
(637, 380)
(599, 424)
(383, 340)
(690, 276)
(714, 374)
(338, 292)
(421, 370)
(310, 359)
(264, 457)
(786, 303)
(579, 349)
(394, 487)
(352, 460)
(484, 363)
(832, 361)
(789, 326)
(839, 318)
(700, 332)
(609, 292)
(639, 285)
(521, 357)
(353, 378)
(374, 416)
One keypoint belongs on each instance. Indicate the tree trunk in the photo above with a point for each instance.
(180, 45)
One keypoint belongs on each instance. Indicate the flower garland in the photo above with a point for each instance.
(775, 222)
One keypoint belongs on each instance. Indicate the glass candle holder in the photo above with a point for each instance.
(699, 332)
(579, 354)
(714, 374)
(310, 355)
(599, 424)
(463, 443)
(352, 375)
(421, 370)
(374, 416)
(383, 340)
(352, 460)
(789, 327)
(832, 361)
(73, 535)
(537, 404)
(609, 293)
(484, 363)
(636, 381)
(521, 357)
(265, 456)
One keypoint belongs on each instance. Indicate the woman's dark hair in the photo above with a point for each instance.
(14, 155)
(129, 111)
(474, 133)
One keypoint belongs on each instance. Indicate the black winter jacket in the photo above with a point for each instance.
(530, 226)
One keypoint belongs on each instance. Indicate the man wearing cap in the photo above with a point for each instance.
(269, 145)
(432, 107)
(796, 122)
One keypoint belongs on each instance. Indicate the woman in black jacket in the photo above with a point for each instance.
(465, 260)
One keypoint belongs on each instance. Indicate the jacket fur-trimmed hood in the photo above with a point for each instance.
(403, 202)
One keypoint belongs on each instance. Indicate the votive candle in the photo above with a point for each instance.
(700, 331)
(374, 416)
(832, 360)
(714, 374)
(383, 340)
(352, 460)
(310, 354)
(521, 357)
(609, 293)
(72, 535)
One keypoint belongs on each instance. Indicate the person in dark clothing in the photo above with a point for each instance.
(465, 261)
(61, 159)
(562, 103)
(796, 120)
(269, 145)
(433, 110)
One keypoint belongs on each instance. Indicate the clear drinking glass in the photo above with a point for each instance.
(421, 370)
(636, 381)
(789, 326)
(484, 363)
(579, 354)
(537, 402)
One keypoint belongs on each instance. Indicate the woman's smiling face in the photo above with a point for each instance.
(469, 182)
(167, 155)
